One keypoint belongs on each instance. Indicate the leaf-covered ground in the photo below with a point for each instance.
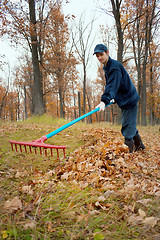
(100, 191)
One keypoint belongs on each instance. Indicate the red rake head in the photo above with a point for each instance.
(39, 143)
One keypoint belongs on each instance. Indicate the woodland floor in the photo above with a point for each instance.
(99, 191)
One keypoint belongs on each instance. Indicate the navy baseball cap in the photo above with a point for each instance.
(99, 48)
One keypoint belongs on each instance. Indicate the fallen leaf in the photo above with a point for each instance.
(27, 189)
(4, 234)
(101, 198)
(107, 186)
(157, 194)
(20, 174)
(99, 163)
(13, 205)
(144, 201)
(50, 173)
(65, 176)
(50, 227)
(94, 212)
(108, 193)
(103, 206)
(80, 217)
(29, 225)
(134, 220)
(142, 214)
(150, 221)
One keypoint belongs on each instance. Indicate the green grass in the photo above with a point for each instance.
(56, 209)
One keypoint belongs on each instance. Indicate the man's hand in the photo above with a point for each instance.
(101, 106)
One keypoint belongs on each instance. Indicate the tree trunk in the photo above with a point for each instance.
(18, 107)
(25, 102)
(38, 104)
(151, 90)
(84, 87)
(62, 112)
(138, 69)
(112, 114)
(89, 105)
(143, 110)
(116, 12)
(74, 101)
(57, 107)
(12, 118)
(79, 103)
(3, 102)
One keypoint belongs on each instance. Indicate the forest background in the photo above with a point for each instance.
(53, 71)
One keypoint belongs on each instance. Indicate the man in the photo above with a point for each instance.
(120, 88)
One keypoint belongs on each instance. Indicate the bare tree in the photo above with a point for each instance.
(116, 13)
(5, 93)
(141, 33)
(25, 22)
(83, 43)
(149, 17)
(37, 87)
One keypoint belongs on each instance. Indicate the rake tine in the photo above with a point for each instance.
(40, 150)
(25, 148)
(64, 152)
(51, 153)
(12, 146)
(20, 148)
(45, 150)
(16, 147)
(30, 149)
(57, 153)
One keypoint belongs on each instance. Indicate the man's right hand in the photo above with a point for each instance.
(101, 105)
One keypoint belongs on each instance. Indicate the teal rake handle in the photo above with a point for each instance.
(75, 121)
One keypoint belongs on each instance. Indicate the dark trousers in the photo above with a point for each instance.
(129, 122)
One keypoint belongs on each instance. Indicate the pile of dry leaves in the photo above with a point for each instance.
(104, 162)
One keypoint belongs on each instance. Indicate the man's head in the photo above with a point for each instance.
(102, 53)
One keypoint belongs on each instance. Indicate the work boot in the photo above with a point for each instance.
(138, 143)
(130, 144)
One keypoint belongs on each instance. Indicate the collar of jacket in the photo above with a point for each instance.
(106, 67)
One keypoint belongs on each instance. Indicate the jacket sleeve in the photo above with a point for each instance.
(112, 85)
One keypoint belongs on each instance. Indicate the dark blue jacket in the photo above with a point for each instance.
(119, 85)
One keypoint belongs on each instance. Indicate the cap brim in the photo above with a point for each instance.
(98, 51)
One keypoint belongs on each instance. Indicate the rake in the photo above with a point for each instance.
(39, 143)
